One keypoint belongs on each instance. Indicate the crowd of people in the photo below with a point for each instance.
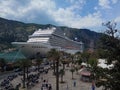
(6, 83)
(46, 85)
(30, 81)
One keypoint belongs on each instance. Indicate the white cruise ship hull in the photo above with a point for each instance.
(32, 49)
(42, 41)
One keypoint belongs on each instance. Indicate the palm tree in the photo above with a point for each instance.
(78, 58)
(55, 56)
(69, 59)
(63, 58)
(2, 64)
(52, 57)
(29, 63)
(76, 69)
(38, 61)
(24, 63)
(72, 70)
(62, 73)
(72, 58)
(64, 61)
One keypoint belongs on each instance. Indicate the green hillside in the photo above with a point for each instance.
(11, 31)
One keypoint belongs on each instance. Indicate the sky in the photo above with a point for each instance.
(88, 14)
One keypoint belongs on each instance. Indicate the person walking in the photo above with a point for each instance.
(67, 88)
(49, 87)
(74, 83)
(93, 86)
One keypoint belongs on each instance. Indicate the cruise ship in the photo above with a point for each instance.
(43, 40)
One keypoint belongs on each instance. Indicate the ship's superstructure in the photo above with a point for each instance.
(41, 41)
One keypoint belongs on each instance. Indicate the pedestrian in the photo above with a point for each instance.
(49, 87)
(93, 86)
(41, 78)
(42, 88)
(74, 83)
(67, 88)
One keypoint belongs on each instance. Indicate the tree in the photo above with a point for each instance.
(101, 53)
(64, 58)
(51, 56)
(2, 64)
(72, 70)
(62, 73)
(76, 69)
(55, 56)
(92, 61)
(110, 42)
(38, 61)
(78, 58)
(29, 63)
(85, 56)
(24, 63)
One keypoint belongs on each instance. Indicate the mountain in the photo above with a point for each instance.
(11, 31)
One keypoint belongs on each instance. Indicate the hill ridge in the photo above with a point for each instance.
(11, 31)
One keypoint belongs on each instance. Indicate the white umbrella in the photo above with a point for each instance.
(102, 65)
(84, 64)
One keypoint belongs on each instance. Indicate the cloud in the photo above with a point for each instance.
(32, 11)
(68, 18)
(76, 4)
(117, 19)
(46, 11)
(114, 1)
(104, 3)
(76, 1)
